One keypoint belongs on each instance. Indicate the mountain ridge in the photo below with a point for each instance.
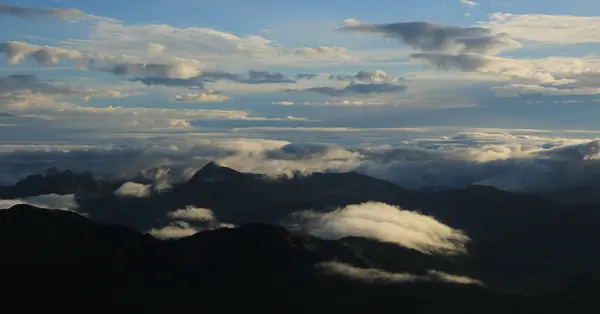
(528, 235)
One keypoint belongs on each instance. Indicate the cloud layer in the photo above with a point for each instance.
(528, 162)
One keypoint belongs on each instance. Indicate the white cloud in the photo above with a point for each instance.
(388, 224)
(549, 29)
(469, 3)
(48, 201)
(193, 213)
(182, 226)
(132, 189)
(372, 276)
(284, 103)
(175, 230)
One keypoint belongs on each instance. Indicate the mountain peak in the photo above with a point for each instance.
(213, 171)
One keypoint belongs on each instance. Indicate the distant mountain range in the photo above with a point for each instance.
(520, 243)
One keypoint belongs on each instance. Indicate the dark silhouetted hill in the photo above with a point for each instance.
(71, 261)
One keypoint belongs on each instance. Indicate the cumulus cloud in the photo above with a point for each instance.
(193, 213)
(388, 224)
(48, 201)
(377, 276)
(433, 37)
(133, 189)
(176, 230)
(62, 14)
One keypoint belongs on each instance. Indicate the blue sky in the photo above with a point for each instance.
(83, 72)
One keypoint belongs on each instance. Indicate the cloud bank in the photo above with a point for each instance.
(386, 223)
(532, 161)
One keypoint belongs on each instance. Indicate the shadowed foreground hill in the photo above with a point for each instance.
(63, 257)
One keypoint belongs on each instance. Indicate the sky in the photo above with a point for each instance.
(482, 80)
